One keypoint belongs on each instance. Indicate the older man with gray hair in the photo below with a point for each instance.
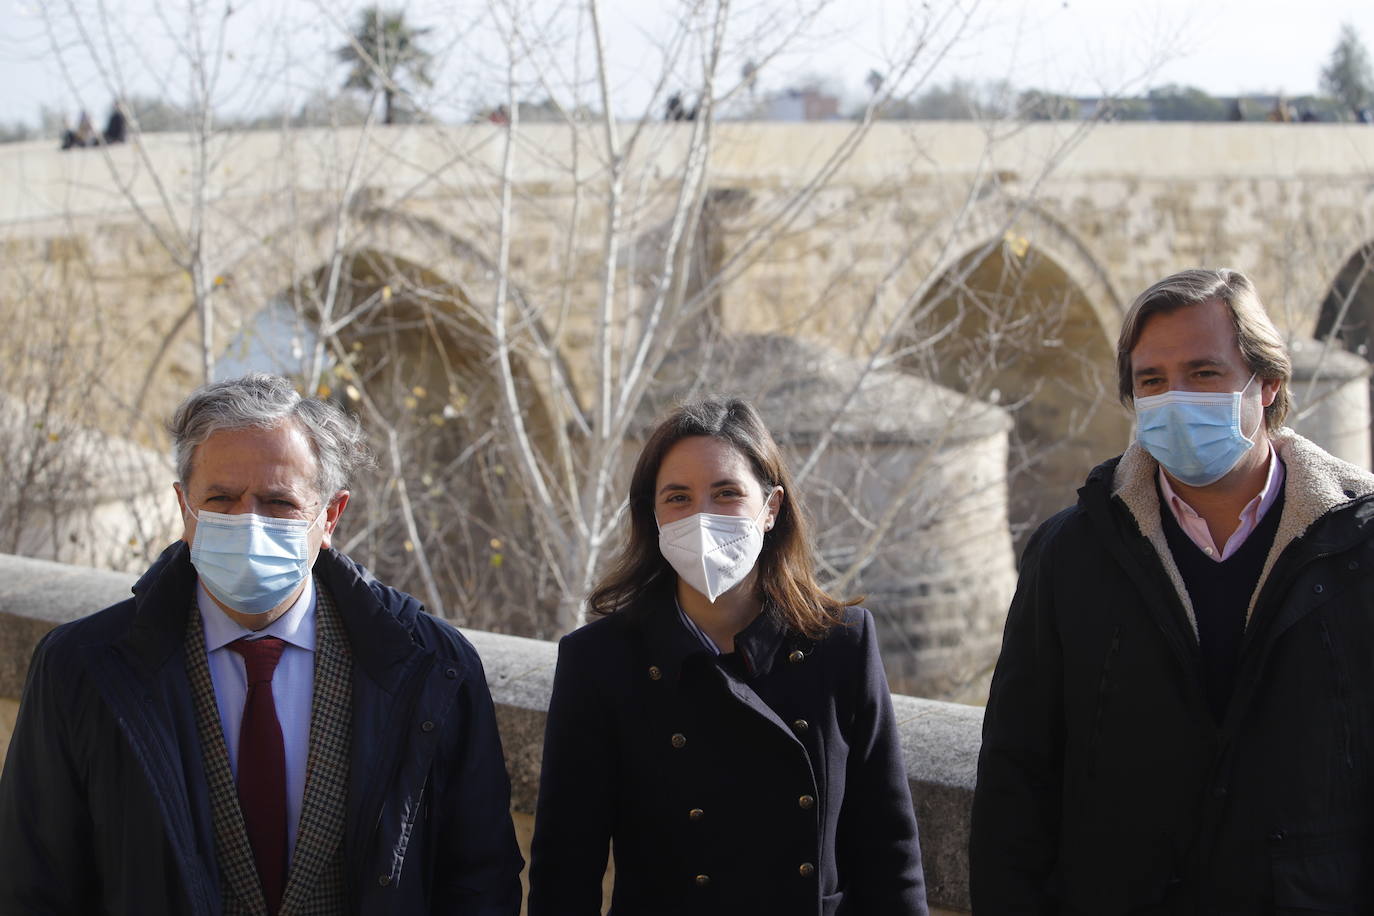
(263, 728)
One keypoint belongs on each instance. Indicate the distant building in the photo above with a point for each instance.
(809, 104)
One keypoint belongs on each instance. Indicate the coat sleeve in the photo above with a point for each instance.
(477, 835)
(45, 827)
(575, 813)
(876, 841)
(1015, 834)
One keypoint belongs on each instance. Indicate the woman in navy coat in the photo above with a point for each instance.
(723, 725)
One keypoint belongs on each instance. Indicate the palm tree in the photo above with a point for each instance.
(383, 47)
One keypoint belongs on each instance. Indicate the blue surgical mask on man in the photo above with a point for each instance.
(1195, 435)
(251, 563)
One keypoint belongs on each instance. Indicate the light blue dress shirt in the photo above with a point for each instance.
(697, 631)
(293, 686)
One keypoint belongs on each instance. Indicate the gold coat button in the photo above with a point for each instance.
(806, 869)
(679, 740)
(801, 725)
(696, 814)
(655, 673)
(703, 880)
(796, 656)
(807, 802)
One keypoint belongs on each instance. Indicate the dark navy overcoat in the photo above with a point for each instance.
(768, 780)
(104, 805)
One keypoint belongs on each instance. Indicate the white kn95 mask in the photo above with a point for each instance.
(713, 553)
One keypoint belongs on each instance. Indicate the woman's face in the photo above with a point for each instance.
(706, 474)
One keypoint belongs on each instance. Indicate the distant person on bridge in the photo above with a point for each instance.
(1182, 717)
(724, 725)
(263, 728)
(117, 127)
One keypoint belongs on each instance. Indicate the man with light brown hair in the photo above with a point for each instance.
(1182, 716)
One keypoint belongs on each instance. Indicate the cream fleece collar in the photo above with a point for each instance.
(1316, 483)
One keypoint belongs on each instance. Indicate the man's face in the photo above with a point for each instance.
(1194, 348)
(268, 472)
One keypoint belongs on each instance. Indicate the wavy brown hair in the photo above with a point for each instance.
(787, 575)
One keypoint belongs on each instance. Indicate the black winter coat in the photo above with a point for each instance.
(104, 806)
(769, 781)
(1106, 786)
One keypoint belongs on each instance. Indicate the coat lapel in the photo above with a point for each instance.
(312, 886)
(234, 853)
(320, 834)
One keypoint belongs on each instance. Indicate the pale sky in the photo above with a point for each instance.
(278, 51)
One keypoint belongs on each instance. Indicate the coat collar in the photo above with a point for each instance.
(378, 619)
(1316, 484)
(669, 644)
(163, 596)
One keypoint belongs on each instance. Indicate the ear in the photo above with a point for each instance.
(1269, 389)
(331, 516)
(188, 524)
(774, 507)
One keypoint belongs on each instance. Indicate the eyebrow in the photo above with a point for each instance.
(271, 493)
(676, 487)
(1204, 362)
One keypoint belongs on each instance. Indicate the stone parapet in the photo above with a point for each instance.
(940, 740)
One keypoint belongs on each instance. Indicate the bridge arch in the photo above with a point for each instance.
(1008, 321)
(1347, 309)
(1024, 223)
(412, 350)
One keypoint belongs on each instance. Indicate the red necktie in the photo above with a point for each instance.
(262, 767)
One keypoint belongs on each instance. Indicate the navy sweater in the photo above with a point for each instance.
(1221, 593)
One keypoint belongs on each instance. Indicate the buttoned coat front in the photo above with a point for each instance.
(104, 802)
(766, 781)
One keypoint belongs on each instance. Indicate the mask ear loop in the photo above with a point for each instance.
(1254, 432)
(764, 510)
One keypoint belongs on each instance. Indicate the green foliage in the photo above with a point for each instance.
(16, 131)
(1038, 105)
(958, 100)
(320, 109)
(1185, 103)
(385, 48)
(1347, 76)
(1126, 110)
(154, 115)
(549, 111)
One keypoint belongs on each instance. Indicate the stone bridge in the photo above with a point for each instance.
(1066, 219)
(992, 259)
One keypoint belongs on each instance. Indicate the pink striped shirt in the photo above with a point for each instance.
(1195, 526)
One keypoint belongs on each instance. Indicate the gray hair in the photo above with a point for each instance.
(265, 401)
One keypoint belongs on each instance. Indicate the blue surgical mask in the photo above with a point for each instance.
(1195, 435)
(251, 563)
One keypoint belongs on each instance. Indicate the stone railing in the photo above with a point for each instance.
(940, 740)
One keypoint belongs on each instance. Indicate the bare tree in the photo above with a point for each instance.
(506, 371)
